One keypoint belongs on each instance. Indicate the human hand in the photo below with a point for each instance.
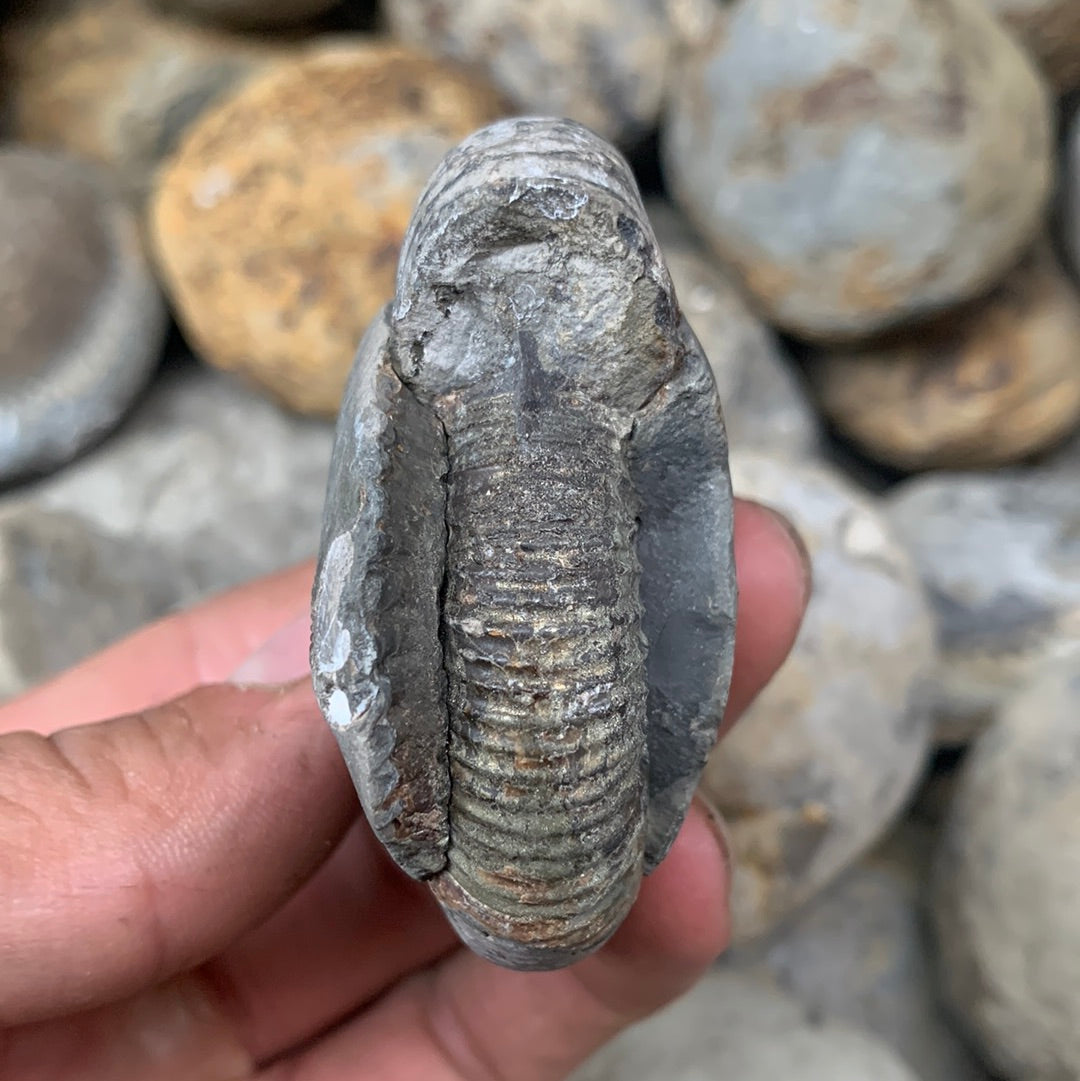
(188, 890)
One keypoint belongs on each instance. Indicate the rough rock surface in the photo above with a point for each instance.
(278, 223)
(604, 63)
(67, 590)
(861, 952)
(861, 165)
(1050, 31)
(220, 483)
(989, 385)
(820, 764)
(82, 322)
(735, 1026)
(998, 554)
(1007, 872)
(118, 82)
(765, 403)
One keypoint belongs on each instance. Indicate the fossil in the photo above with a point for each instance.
(524, 607)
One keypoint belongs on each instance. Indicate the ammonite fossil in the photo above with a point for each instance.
(524, 607)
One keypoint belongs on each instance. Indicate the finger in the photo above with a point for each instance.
(773, 571)
(353, 930)
(206, 1024)
(201, 645)
(135, 848)
(171, 1032)
(467, 1020)
(177, 1030)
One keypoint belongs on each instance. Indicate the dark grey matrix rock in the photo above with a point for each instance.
(860, 164)
(82, 322)
(523, 620)
(1000, 556)
(1006, 884)
(733, 1026)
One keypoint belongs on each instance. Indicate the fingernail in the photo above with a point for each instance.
(282, 658)
(802, 553)
(717, 824)
(175, 1030)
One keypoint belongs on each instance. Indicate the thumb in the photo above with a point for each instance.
(137, 847)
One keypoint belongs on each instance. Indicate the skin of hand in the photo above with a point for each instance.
(190, 892)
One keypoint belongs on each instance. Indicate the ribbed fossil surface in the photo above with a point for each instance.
(545, 667)
(523, 611)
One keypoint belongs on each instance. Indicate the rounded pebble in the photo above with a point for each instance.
(117, 82)
(277, 225)
(735, 1026)
(1006, 884)
(765, 404)
(604, 63)
(82, 322)
(1050, 31)
(999, 557)
(222, 484)
(989, 385)
(822, 761)
(861, 952)
(861, 165)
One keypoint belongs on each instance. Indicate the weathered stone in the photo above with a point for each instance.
(249, 14)
(278, 223)
(1050, 31)
(765, 405)
(988, 385)
(117, 82)
(67, 590)
(861, 165)
(210, 475)
(1006, 883)
(820, 764)
(604, 63)
(82, 323)
(523, 625)
(861, 952)
(733, 1026)
(998, 555)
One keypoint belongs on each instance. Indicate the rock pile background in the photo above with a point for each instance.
(871, 212)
